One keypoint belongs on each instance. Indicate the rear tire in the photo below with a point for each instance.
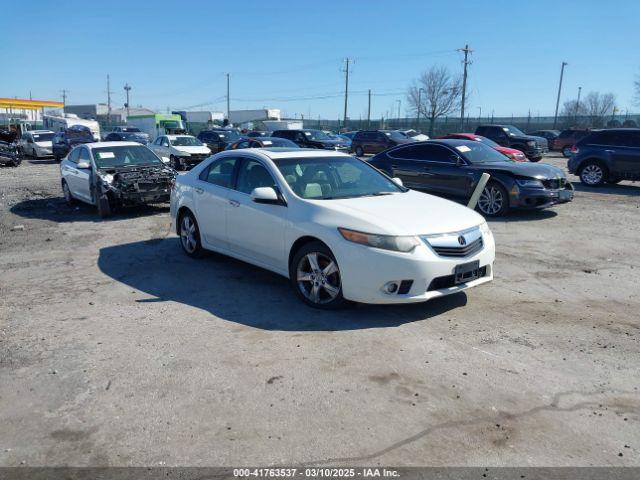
(189, 234)
(493, 201)
(359, 151)
(315, 277)
(566, 152)
(593, 173)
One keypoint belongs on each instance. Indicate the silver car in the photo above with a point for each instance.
(37, 143)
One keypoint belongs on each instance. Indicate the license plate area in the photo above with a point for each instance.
(467, 272)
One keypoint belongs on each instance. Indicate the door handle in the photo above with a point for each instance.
(199, 190)
(234, 203)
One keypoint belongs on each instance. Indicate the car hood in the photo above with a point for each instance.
(409, 213)
(203, 149)
(44, 144)
(541, 171)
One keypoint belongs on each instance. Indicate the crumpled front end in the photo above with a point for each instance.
(138, 186)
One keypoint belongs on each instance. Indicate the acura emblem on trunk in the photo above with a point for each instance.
(461, 240)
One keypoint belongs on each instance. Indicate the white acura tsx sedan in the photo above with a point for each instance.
(339, 229)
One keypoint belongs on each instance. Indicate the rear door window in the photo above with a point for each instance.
(220, 172)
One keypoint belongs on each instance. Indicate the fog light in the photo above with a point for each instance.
(390, 287)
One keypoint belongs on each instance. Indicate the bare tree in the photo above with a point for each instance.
(439, 92)
(574, 112)
(599, 106)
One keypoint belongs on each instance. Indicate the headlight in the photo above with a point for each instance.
(530, 183)
(484, 228)
(386, 242)
(531, 143)
(108, 178)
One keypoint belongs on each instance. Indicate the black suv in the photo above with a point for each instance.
(607, 156)
(312, 139)
(509, 136)
(217, 139)
(63, 142)
(376, 141)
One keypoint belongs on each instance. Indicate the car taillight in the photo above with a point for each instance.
(574, 149)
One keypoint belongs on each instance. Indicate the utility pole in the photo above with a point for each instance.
(578, 105)
(369, 110)
(64, 98)
(228, 100)
(399, 103)
(346, 89)
(555, 117)
(108, 100)
(466, 62)
(127, 89)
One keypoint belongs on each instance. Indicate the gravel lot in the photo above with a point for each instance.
(117, 349)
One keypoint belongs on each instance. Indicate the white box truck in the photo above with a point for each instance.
(157, 124)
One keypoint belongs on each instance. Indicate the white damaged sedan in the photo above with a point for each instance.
(335, 226)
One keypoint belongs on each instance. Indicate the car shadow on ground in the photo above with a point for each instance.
(41, 161)
(56, 209)
(524, 216)
(624, 188)
(239, 292)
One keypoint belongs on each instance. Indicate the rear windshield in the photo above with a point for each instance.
(186, 142)
(42, 137)
(124, 156)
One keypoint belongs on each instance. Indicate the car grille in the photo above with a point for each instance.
(456, 244)
(461, 251)
(449, 281)
(555, 184)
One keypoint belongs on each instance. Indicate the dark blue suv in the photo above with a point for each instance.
(607, 156)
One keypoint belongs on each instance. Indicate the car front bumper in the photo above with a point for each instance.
(366, 270)
(536, 198)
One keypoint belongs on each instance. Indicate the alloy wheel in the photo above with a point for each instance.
(318, 278)
(592, 174)
(491, 200)
(188, 234)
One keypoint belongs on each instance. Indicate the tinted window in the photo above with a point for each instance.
(432, 153)
(565, 134)
(220, 172)
(252, 175)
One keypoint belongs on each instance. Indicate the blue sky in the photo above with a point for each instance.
(289, 54)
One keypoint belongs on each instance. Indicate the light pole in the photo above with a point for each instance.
(127, 88)
(555, 117)
(578, 105)
(399, 103)
(479, 114)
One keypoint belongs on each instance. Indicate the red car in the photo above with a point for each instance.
(512, 153)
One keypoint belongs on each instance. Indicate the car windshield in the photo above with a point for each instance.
(316, 135)
(228, 135)
(328, 178)
(487, 141)
(411, 133)
(170, 124)
(511, 130)
(186, 142)
(42, 137)
(395, 135)
(477, 152)
(124, 156)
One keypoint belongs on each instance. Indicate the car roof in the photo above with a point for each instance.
(173, 137)
(113, 144)
(276, 153)
(451, 142)
(40, 131)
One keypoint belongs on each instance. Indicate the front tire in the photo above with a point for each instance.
(104, 206)
(315, 277)
(189, 234)
(34, 154)
(68, 197)
(566, 152)
(359, 151)
(493, 201)
(593, 173)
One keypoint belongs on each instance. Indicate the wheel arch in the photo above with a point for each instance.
(299, 243)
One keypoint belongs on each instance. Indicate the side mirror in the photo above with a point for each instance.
(265, 195)
(84, 164)
(457, 160)
(398, 181)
